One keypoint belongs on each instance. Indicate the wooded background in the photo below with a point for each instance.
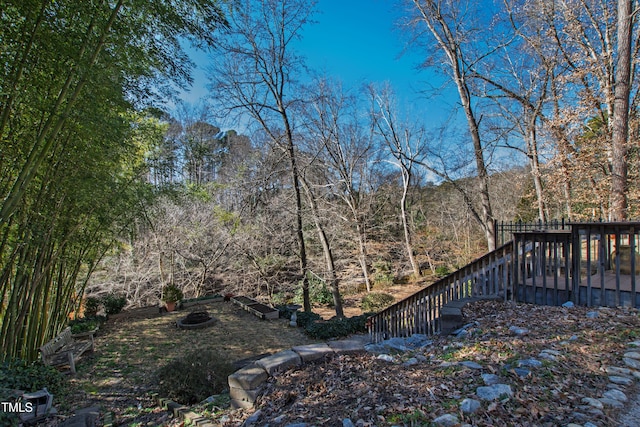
(105, 189)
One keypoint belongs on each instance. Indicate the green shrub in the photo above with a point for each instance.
(319, 293)
(28, 377)
(306, 318)
(376, 301)
(171, 293)
(91, 306)
(114, 303)
(194, 377)
(336, 328)
(382, 273)
(442, 271)
(85, 324)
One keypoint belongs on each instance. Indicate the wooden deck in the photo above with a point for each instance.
(599, 289)
(539, 266)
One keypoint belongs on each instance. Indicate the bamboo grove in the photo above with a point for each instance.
(73, 75)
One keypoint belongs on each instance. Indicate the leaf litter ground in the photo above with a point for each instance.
(375, 392)
(360, 387)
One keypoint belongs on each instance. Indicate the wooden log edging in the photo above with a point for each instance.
(184, 413)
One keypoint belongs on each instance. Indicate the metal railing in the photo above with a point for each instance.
(419, 313)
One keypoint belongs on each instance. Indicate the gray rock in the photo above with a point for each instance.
(592, 314)
(551, 355)
(531, 363)
(385, 357)
(398, 344)
(632, 355)
(297, 425)
(253, 418)
(634, 344)
(521, 372)
(518, 331)
(347, 423)
(592, 402)
(588, 424)
(632, 363)
(615, 394)
(494, 392)
(421, 358)
(611, 402)
(417, 341)
(621, 380)
(411, 362)
(490, 379)
(617, 371)
(461, 334)
(446, 420)
(375, 348)
(471, 365)
(470, 406)
(568, 304)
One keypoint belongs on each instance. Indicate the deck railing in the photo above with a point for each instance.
(589, 265)
(419, 313)
(592, 264)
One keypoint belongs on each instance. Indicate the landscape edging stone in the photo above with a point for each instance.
(245, 387)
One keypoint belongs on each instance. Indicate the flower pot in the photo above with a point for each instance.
(625, 260)
(170, 305)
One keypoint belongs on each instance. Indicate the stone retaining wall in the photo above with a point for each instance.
(246, 384)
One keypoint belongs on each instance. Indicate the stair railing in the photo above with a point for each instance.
(487, 276)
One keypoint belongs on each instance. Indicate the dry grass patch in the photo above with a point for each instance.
(133, 345)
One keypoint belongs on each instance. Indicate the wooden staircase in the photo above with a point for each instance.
(547, 267)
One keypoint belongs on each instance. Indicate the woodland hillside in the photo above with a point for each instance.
(110, 184)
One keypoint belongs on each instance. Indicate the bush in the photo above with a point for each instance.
(336, 328)
(194, 377)
(28, 377)
(382, 273)
(85, 324)
(171, 293)
(91, 306)
(307, 318)
(319, 293)
(114, 303)
(442, 271)
(376, 301)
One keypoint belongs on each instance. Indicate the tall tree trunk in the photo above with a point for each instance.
(534, 160)
(405, 224)
(432, 14)
(478, 152)
(620, 131)
(295, 177)
(326, 250)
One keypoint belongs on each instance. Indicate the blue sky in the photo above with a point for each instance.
(356, 42)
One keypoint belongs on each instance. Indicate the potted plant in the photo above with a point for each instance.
(171, 294)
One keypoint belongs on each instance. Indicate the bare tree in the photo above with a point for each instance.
(405, 145)
(255, 73)
(620, 125)
(591, 91)
(448, 25)
(346, 150)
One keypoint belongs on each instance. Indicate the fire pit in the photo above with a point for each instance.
(196, 320)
